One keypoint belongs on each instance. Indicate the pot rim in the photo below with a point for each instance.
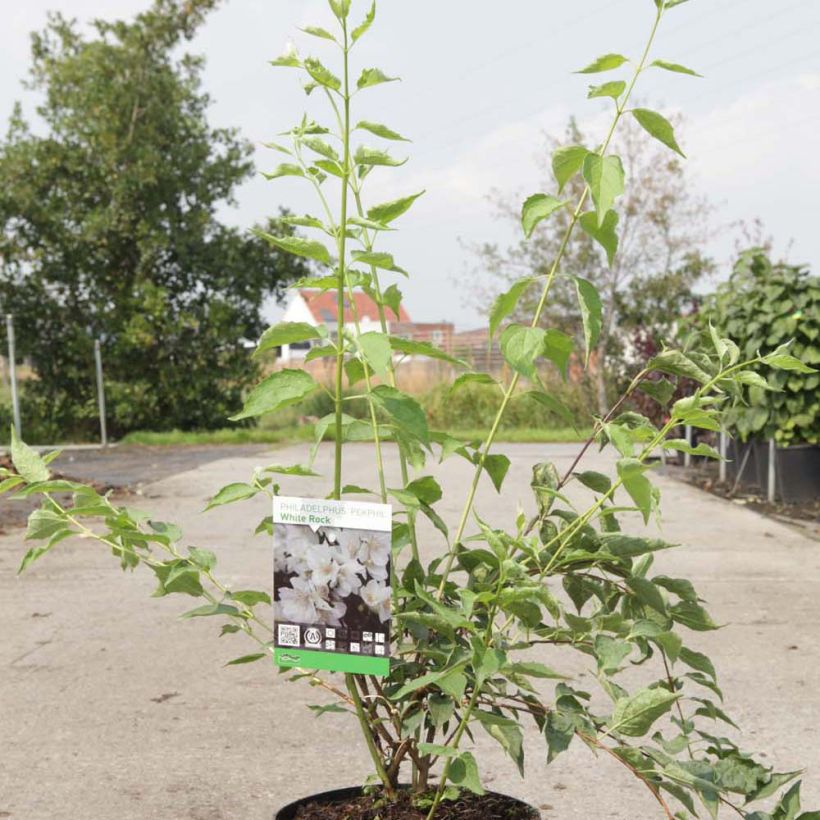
(355, 791)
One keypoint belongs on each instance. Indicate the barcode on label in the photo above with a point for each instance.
(288, 635)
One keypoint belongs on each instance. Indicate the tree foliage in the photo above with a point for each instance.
(109, 230)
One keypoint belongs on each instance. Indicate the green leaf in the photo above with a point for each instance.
(250, 597)
(693, 616)
(605, 177)
(321, 74)
(211, 609)
(376, 350)
(537, 208)
(607, 62)
(558, 349)
(425, 489)
(405, 411)
(365, 24)
(373, 76)
(789, 804)
(612, 89)
(280, 389)
(647, 593)
(290, 469)
(290, 59)
(463, 771)
(658, 126)
(473, 378)
(286, 333)
(676, 67)
(391, 297)
(604, 234)
(496, 466)
(372, 156)
(43, 524)
(566, 163)
(381, 131)
(238, 491)
(598, 482)
(661, 390)
(590, 303)
(248, 659)
(631, 546)
(520, 346)
(505, 303)
(307, 248)
(340, 8)
(677, 364)
(631, 473)
(413, 348)
(204, 559)
(26, 461)
(388, 211)
(437, 749)
(533, 669)
(783, 361)
(377, 259)
(634, 716)
(285, 169)
(683, 446)
(317, 31)
(610, 653)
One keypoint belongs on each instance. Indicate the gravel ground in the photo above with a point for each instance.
(111, 708)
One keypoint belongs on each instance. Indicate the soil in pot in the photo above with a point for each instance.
(351, 804)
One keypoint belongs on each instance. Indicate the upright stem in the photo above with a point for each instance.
(341, 247)
(508, 394)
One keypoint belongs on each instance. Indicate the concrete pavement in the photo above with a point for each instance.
(112, 708)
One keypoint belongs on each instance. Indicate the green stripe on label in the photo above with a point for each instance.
(332, 661)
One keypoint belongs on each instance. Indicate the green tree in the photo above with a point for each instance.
(109, 229)
(661, 231)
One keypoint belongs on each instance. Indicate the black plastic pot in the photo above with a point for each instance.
(339, 795)
(798, 473)
(742, 455)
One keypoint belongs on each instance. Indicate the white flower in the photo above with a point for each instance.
(348, 544)
(332, 616)
(299, 602)
(321, 562)
(348, 581)
(374, 553)
(377, 598)
(296, 545)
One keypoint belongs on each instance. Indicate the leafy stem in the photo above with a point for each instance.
(542, 302)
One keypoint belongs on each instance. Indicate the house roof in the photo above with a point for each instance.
(322, 306)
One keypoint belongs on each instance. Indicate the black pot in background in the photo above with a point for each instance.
(798, 473)
(338, 795)
(797, 469)
(736, 452)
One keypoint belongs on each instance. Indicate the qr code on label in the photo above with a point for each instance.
(288, 635)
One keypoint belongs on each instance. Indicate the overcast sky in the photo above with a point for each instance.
(481, 82)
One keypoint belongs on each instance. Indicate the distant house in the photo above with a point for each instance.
(319, 308)
(316, 308)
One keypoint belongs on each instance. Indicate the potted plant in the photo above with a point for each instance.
(465, 620)
(761, 306)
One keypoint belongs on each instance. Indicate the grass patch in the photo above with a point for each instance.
(227, 435)
(527, 434)
(293, 434)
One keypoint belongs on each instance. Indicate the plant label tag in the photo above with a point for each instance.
(331, 585)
